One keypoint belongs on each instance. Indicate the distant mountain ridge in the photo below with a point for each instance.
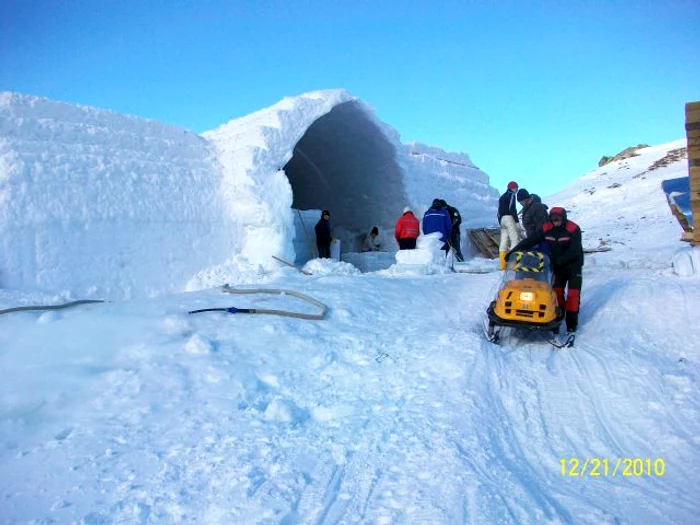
(624, 154)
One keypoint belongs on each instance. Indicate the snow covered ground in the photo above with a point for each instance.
(394, 409)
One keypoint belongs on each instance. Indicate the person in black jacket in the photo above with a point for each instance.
(508, 220)
(534, 213)
(323, 235)
(455, 237)
(566, 253)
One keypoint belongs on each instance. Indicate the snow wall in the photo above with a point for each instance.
(167, 210)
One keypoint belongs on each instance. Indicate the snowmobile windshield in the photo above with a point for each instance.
(528, 265)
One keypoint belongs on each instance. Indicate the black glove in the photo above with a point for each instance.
(508, 255)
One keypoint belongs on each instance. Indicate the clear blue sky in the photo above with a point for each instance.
(532, 91)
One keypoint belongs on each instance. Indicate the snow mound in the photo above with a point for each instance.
(427, 258)
(330, 267)
(686, 261)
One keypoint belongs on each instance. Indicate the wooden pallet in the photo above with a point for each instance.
(486, 240)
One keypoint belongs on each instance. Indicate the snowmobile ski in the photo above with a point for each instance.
(567, 342)
(493, 334)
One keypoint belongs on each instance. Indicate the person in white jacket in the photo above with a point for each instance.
(371, 243)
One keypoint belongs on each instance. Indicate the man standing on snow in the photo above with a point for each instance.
(455, 235)
(323, 235)
(407, 230)
(436, 219)
(534, 212)
(508, 219)
(564, 240)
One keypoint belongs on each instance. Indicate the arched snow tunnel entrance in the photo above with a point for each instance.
(344, 163)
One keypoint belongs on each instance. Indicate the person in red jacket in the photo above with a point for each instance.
(563, 237)
(407, 230)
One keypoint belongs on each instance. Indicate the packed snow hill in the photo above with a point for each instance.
(393, 408)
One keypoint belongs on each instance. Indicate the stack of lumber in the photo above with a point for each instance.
(692, 130)
(486, 240)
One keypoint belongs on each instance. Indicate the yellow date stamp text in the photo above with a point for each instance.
(626, 467)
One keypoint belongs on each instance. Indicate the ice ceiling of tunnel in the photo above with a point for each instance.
(345, 163)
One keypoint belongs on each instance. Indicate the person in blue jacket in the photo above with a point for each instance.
(437, 219)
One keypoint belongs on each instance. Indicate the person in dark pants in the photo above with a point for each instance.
(436, 219)
(455, 236)
(323, 235)
(407, 230)
(566, 253)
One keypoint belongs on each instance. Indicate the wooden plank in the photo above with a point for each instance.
(495, 236)
(693, 141)
(694, 182)
(475, 238)
(487, 246)
(691, 106)
(484, 241)
(693, 152)
(692, 115)
(485, 249)
(692, 133)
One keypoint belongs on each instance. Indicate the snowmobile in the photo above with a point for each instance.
(525, 298)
